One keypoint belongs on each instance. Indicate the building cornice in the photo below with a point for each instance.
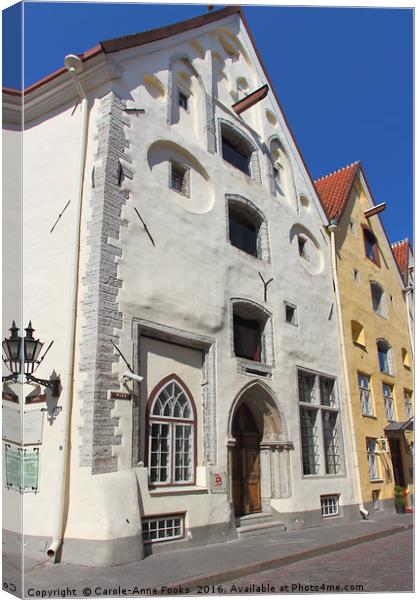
(58, 91)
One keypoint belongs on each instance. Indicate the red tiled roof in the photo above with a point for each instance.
(334, 189)
(401, 252)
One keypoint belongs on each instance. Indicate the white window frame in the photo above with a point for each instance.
(366, 404)
(172, 422)
(330, 506)
(322, 438)
(372, 459)
(408, 403)
(164, 523)
(389, 401)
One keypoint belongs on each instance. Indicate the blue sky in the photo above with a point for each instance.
(344, 77)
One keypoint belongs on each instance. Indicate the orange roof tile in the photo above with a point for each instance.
(334, 189)
(401, 252)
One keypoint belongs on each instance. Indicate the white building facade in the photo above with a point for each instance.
(204, 259)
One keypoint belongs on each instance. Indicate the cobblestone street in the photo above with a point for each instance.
(384, 565)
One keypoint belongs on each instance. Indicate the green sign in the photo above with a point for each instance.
(22, 468)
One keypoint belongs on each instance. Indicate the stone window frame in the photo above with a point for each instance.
(250, 209)
(186, 183)
(320, 408)
(254, 161)
(144, 328)
(246, 366)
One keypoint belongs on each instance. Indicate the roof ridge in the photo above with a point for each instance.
(404, 241)
(356, 162)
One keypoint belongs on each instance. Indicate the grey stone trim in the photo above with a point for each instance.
(255, 162)
(99, 308)
(257, 215)
(210, 124)
(157, 331)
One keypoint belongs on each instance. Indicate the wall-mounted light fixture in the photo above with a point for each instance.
(23, 359)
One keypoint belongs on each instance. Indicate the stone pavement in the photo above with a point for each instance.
(206, 565)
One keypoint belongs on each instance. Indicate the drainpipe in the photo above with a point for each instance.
(75, 66)
(407, 291)
(332, 228)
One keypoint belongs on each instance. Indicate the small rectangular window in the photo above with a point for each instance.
(163, 528)
(371, 246)
(356, 275)
(389, 402)
(179, 178)
(372, 458)
(365, 395)
(375, 500)
(303, 247)
(182, 100)
(290, 313)
(329, 506)
(408, 405)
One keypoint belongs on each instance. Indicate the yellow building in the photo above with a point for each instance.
(372, 298)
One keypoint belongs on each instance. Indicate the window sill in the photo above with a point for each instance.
(325, 476)
(375, 481)
(175, 490)
(370, 416)
(246, 366)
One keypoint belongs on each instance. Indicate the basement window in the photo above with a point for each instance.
(179, 178)
(329, 506)
(163, 528)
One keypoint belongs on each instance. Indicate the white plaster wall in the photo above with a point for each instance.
(185, 281)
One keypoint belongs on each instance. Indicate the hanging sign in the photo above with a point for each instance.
(22, 468)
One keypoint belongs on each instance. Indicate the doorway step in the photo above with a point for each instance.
(258, 524)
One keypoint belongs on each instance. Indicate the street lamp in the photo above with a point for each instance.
(12, 348)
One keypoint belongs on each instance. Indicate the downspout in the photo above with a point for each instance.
(407, 291)
(332, 228)
(74, 66)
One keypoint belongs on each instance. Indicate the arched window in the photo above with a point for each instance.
(378, 298)
(385, 357)
(172, 430)
(252, 332)
(238, 150)
(247, 227)
(358, 333)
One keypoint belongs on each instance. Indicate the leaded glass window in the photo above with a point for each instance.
(171, 436)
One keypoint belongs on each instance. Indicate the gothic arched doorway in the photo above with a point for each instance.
(246, 469)
(259, 462)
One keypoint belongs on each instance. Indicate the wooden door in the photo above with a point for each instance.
(246, 473)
